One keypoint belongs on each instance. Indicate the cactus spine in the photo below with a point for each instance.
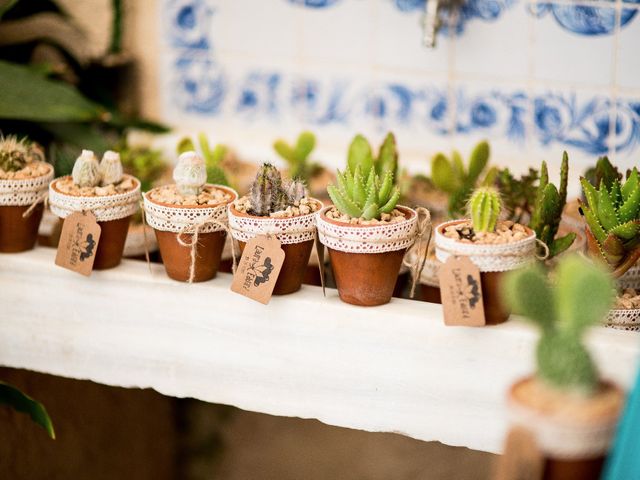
(190, 173)
(296, 191)
(15, 154)
(580, 297)
(267, 194)
(86, 170)
(110, 168)
(484, 209)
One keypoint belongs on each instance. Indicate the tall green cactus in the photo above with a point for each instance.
(548, 207)
(613, 221)
(360, 154)
(212, 158)
(580, 297)
(297, 156)
(484, 209)
(451, 175)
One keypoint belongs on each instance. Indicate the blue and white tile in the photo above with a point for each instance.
(499, 48)
(573, 44)
(628, 64)
(625, 147)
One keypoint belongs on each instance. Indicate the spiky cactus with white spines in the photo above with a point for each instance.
(86, 170)
(267, 194)
(190, 173)
(484, 209)
(15, 154)
(296, 191)
(110, 168)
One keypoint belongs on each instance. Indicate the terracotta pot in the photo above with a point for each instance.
(430, 294)
(294, 268)
(572, 433)
(366, 279)
(297, 246)
(18, 234)
(211, 241)
(113, 213)
(487, 256)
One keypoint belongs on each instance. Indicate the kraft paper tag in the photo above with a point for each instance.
(522, 459)
(259, 268)
(320, 253)
(78, 242)
(461, 292)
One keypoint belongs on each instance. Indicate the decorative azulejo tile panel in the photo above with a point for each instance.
(534, 78)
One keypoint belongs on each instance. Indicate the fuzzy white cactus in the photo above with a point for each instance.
(110, 168)
(190, 173)
(86, 171)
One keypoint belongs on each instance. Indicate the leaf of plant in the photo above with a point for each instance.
(204, 147)
(13, 397)
(478, 161)
(594, 224)
(590, 193)
(283, 149)
(343, 203)
(528, 293)
(606, 211)
(629, 209)
(391, 203)
(631, 184)
(388, 156)
(360, 154)
(304, 146)
(26, 95)
(185, 145)
(560, 244)
(442, 173)
(627, 230)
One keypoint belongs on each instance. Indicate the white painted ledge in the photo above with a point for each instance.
(394, 368)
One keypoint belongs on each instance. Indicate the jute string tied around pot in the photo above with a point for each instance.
(42, 198)
(25, 191)
(424, 225)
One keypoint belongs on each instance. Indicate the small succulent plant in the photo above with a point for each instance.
(603, 171)
(484, 209)
(110, 168)
(360, 154)
(360, 196)
(269, 194)
(613, 220)
(86, 170)
(518, 194)
(580, 297)
(548, 207)
(297, 156)
(190, 173)
(212, 158)
(144, 163)
(15, 154)
(451, 175)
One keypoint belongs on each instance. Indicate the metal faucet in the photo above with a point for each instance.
(431, 19)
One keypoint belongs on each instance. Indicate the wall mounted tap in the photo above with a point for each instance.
(432, 19)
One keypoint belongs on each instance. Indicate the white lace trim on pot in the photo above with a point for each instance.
(624, 319)
(561, 439)
(630, 278)
(106, 208)
(488, 257)
(380, 238)
(174, 218)
(26, 191)
(288, 230)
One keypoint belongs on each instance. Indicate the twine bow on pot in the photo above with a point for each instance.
(44, 197)
(425, 230)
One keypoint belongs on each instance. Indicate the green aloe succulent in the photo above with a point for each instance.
(484, 209)
(613, 221)
(604, 171)
(451, 175)
(297, 156)
(212, 158)
(548, 207)
(579, 297)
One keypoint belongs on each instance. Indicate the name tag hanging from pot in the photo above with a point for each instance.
(78, 243)
(461, 292)
(259, 268)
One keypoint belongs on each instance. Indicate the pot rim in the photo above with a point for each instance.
(30, 179)
(440, 230)
(235, 212)
(53, 187)
(229, 190)
(322, 213)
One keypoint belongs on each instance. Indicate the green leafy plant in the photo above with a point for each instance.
(15, 154)
(548, 207)
(580, 297)
(269, 194)
(613, 221)
(212, 158)
(518, 194)
(297, 156)
(484, 209)
(14, 398)
(451, 175)
(603, 171)
(146, 164)
(360, 154)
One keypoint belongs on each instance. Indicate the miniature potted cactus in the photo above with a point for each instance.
(281, 209)
(570, 412)
(190, 220)
(24, 179)
(493, 245)
(102, 188)
(365, 231)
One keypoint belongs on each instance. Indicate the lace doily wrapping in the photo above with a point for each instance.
(23, 192)
(174, 218)
(559, 438)
(631, 278)
(348, 238)
(106, 208)
(488, 257)
(288, 230)
(624, 319)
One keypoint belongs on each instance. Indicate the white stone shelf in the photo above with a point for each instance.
(394, 368)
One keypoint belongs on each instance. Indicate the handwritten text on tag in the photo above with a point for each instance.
(461, 292)
(259, 268)
(78, 242)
